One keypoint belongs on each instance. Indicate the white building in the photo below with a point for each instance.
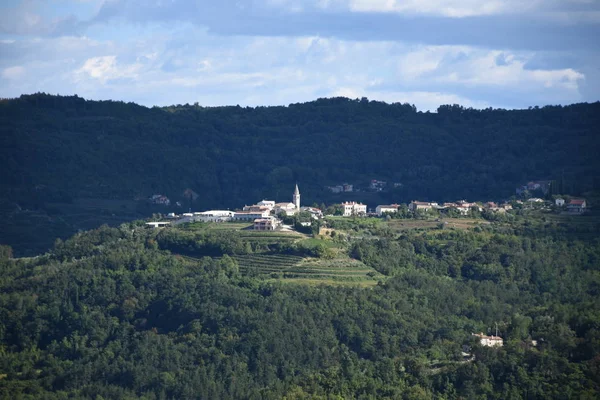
(266, 203)
(213, 216)
(315, 213)
(266, 224)
(421, 205)
(354, 208)
(250, 215)
(576, 206)
(288, 208)
(392, 208)
(489, 341)
(157, 224)
(559, 202)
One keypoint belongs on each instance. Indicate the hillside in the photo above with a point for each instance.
(214, 312)
(63, 158)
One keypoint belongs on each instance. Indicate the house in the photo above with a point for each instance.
(576, 206)
(315, 213)
(489, 341)
(157, 224)
(544, 186)
(213, 216)
(160, 199)
(421, 205)
(391, 208)
(559, 202)
(257, 208)
(377, 185)
(266, 224)
(288, 208)
(353, 208)
(250, 215)
(266, 203)
(341, 188)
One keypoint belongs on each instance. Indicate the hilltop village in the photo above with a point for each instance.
(268, 215)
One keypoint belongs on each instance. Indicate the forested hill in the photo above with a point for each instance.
(67, 147)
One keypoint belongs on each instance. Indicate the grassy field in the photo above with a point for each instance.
(457, 223)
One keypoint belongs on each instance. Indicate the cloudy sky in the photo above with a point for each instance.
(477, 53)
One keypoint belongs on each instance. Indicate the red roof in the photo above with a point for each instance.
(577, 202)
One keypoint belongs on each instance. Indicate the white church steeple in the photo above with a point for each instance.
(296, 198)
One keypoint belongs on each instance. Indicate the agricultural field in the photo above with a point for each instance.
(290, 268)
(456, 223)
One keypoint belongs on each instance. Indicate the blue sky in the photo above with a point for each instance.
(493, 53)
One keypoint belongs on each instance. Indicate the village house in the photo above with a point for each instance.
(160, 199)
(266, 224)
(559, 202)
(250, 215)
(391, 208)
(257, 207)
(489, 341)
(377, 185)
(214, 216)
(544, 186)
(346, 187)
(315, 213)
(421, 205)
(158, 224)
(288, 208)
(491, 206)
(576, 206)
(266, 203)
(353, 208)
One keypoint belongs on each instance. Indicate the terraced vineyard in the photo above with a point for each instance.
(290, 267)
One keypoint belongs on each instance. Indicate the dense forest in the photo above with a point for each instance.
(122, 313)
(58, 149)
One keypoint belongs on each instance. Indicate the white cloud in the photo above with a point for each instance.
(153, 69)
(473, 67)
(105, 68)
(13, 73)
(448, 8)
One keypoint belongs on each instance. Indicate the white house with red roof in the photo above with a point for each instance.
(577, 206)
(489, 341)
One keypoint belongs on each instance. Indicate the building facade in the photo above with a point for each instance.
(353, 208)
(391, 208)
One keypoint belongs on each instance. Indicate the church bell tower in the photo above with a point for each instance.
(296, 198)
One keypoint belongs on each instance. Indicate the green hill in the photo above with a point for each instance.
(201, 313)
(62, 158)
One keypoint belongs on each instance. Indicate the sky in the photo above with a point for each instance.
(476, 53)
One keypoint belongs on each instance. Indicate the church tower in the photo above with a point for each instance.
(296, 198)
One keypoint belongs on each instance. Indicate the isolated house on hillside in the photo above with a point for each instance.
(577, 206)
(489, 341)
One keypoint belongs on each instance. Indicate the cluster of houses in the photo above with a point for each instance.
(160, 200)
(544, 186)
(343, 188)
(265, 215)
(573, 206)
(375, 185)
(461, 206)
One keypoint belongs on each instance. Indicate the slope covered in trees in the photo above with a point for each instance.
(57, 149)
(112, 313)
